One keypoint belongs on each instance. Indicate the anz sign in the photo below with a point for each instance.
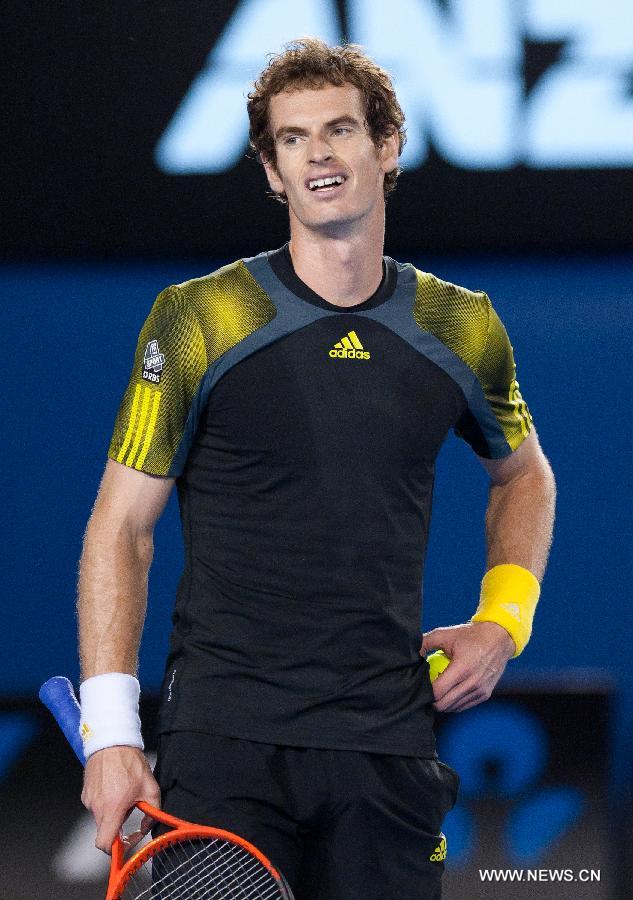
(490, 84)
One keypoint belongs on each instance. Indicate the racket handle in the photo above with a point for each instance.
(58, 696)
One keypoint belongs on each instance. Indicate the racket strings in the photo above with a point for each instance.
(202, 870)
(238, 872)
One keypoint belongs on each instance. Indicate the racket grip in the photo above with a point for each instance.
(58, 696)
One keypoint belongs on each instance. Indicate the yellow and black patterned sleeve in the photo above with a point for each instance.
(496, 380)
(496, 419)
(169, 363)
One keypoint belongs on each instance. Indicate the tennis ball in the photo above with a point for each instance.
(437, 661)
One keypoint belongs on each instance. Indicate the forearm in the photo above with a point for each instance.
(520, 520)
(112, 597)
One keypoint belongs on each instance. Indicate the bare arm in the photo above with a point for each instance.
(520, 514)
(112, 600)
(117, 554)
(519, 526)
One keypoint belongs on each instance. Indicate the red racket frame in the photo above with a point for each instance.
(121, 870)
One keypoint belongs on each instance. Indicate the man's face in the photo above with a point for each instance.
(321, 134)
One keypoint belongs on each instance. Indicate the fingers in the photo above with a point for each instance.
(108, 828)
(479, 653)
(115, 779)
(135, 837)
(147, 822)
(444, 639)
(131, 840)
(461, 686)
(467, 703)
(450, 688)
(434, 640)
(460, 702)
(110, 825)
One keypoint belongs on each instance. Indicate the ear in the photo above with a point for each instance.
(275, 182)
(389, 152)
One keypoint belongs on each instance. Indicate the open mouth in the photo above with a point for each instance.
(326, 185)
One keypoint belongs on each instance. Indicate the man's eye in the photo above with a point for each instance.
(291, 140)
(342, 129)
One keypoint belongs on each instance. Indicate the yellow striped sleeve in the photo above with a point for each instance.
(149, 434)
(189, 328)
(169, 364)
(130, 428)
(139, 428)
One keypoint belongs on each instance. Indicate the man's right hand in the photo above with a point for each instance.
(114, 780)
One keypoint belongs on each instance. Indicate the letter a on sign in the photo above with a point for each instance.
(209, 130)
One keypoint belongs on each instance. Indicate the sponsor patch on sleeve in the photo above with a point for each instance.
(153, 362)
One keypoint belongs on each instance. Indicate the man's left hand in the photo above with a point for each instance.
(479, 653)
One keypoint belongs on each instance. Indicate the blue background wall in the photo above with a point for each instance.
(69, 332)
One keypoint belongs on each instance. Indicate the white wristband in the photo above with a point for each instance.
(109, 712)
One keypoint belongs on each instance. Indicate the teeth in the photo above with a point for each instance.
(325, 182)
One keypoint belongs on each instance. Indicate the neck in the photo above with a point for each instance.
(343, 269)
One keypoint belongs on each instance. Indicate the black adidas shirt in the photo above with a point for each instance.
(303, 437)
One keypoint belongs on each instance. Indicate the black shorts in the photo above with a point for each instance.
(339, 824)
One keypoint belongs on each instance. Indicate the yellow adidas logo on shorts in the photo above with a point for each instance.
(349, 347)
(439, 854)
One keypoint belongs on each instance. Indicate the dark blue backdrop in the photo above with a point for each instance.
(69, 334)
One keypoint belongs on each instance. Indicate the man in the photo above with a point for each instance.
(298, 400)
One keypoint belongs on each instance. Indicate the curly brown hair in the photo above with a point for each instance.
(310, 63)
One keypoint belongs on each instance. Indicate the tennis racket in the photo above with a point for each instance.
(189, 862)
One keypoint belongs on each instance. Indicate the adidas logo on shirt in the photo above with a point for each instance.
(439, 854)
(349, 347)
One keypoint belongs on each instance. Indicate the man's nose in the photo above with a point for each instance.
(319, 150)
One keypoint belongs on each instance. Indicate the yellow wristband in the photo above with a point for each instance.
(509, 595)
